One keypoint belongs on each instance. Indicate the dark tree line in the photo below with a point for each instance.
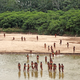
(39, 5)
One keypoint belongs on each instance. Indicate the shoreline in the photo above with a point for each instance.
(42, 53)
(7, 45)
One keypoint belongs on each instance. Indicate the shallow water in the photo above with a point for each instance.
(9, 67)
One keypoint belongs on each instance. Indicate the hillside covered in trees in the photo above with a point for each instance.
(40, 16)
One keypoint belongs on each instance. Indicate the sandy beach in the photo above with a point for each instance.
(37, 46)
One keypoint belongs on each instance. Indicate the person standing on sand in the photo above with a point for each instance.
(4, 35)
(30, 51)
(13, 38)
(54, 45)
(24, 39)
(45, 45)
(37, 38)
(21, 38)
(73, 49)
(55, 35)
(51, 48)
(67, 45)
(60, 41)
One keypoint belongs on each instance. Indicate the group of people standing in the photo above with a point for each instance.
(34, 65)
(54, 45)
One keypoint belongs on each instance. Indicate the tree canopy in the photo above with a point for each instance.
(51, 22)
(38, 5)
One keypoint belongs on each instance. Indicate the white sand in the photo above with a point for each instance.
(31, 43)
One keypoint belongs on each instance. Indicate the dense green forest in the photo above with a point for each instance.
(39, 5)
(52, 22)
(40, 16)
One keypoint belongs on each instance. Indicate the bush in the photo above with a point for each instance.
(12, 30)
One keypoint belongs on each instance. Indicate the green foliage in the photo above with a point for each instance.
(74, 24)
(52, 22)
(10, 19)
(38, 5)
(41, 16)
(13, 30)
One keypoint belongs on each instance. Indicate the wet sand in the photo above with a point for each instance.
(37, 46)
